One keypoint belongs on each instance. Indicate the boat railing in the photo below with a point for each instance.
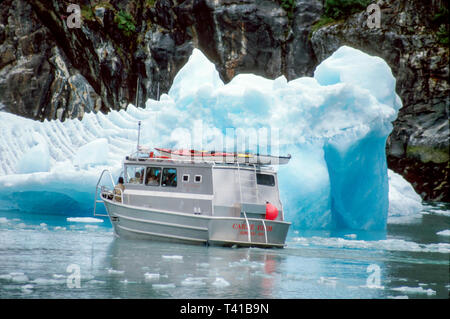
(103, 190)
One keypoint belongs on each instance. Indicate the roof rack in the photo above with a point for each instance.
(208, 157)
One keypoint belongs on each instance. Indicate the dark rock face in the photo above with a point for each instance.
(36, 78)
(51, 71)
(98, 67)
(257, 37)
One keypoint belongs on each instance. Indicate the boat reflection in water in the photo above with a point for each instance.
(160, 269)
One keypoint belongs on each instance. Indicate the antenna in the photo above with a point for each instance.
(139, 135)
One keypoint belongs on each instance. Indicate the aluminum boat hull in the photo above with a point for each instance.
(151, 224)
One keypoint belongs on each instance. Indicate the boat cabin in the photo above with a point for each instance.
(200, 188)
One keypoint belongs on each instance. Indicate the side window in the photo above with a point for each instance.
(153, 177)
(186, 178)
(265, 179)
(198, 179)
(135, 174)
(169, 177)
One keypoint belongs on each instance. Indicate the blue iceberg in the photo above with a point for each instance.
(334, 125)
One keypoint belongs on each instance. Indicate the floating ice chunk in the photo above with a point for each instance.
(47, 281)
(387, 244)
(27, 288)
(163, 286)
(172, 257)
(94, 281)
(439, 212)
(116, 272)
(19, 277)
(329, 281)
(220, 283)
(5, 277)
(84, 220)
(194, 281)
(246, 263)
(3, 220)
(403, 200)
(444, 232)
(415, 290)
(150, 276)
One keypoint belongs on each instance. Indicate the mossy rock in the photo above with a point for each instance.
(428, 154)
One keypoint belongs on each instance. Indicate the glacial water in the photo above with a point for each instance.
(55, 256)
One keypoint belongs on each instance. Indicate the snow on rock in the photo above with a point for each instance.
(334, 124)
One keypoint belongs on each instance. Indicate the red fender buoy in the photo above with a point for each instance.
(271, 211)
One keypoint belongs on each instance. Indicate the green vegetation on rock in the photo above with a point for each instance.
(125, 22)
(341, 9)
(440, 22)
(428, 154)
(288, 6)
(338, 10)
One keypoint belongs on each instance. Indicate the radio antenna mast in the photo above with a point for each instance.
(139, 135)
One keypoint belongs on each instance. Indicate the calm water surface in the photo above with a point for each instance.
(44, 256)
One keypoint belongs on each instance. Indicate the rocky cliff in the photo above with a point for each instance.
(51, 71)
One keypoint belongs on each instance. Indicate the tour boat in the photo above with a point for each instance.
(197, 197)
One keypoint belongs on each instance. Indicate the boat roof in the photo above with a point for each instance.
(180, 162)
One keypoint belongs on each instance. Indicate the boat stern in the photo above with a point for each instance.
(247, 232)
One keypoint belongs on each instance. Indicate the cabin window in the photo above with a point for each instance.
(135, 174)
(169, 177)
(198, 178)
(153, 176)
(186, 178)
(265, 179)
